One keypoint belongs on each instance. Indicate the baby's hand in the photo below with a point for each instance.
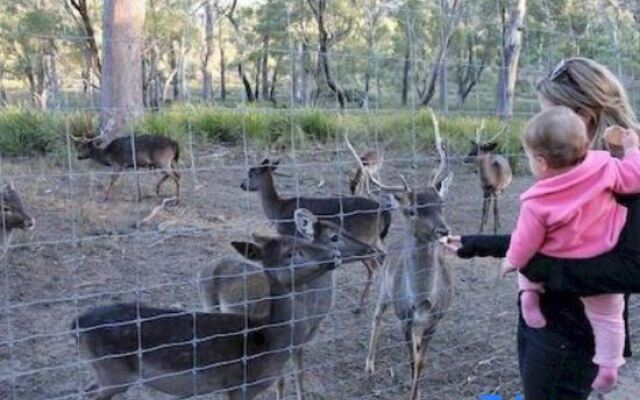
(507, 267)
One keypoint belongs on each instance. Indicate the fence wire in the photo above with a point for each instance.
(85, 253)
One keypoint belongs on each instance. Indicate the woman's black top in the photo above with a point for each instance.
(563, 311)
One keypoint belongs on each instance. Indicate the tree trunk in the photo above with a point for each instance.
(90, 37)
(207, 81)
(173, 64)
(451, 13)
(243, 76)
(304, 71)
(256, 93)
(323, 56)
(467, 76)
(3, 91)
(53, 79)
(265, 66)
(121, 88)
(223, 65)
(444, 98)
(274, 79)
(511, 44)
(405, 73)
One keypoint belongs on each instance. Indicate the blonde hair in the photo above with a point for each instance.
(558, 135)
(590, 88)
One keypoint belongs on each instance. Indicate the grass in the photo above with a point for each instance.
(25, 132)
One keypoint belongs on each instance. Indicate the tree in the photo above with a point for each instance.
(319, 7)
(121, 86)
(207, 80)
(512, 29)
(451, 10)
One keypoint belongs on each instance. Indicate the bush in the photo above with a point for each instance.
(25, 132)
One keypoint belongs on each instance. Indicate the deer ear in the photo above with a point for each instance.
(248, 250)
(403, 198)
(305, 222)
(265, 162)
(443, 186)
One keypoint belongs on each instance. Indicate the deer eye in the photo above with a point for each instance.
(334, 238)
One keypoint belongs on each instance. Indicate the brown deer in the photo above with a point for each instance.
(363, 218)
(231, 285)
(184, 353)
(151, 151)
(415, 278)
(495, 176)
(12, 215)
(370, 163)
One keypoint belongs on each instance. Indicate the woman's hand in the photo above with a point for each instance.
(451, 243)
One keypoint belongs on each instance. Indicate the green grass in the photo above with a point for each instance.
(29, 132)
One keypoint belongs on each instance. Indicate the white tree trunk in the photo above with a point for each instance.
(121, 85)
(511, 44)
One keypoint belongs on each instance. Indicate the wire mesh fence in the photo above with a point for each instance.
(139, 263)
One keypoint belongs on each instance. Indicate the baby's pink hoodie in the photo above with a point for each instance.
(574, 214)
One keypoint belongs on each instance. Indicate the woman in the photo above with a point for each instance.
(556, 361)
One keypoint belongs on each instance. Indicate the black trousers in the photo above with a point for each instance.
(551, 367)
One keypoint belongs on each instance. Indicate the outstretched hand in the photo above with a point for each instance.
(451, 243)
(507, 268)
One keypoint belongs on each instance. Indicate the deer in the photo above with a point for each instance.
(370, 163)
(12, 215)
(230, 285)
(495, 175)
(151, 151)
(363, 218)
(415, 278)
(187, 353)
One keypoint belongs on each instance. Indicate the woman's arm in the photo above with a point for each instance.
(483, 246)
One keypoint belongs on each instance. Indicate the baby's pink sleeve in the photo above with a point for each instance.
(527, 238)
(627, 173)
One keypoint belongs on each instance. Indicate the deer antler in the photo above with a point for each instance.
(442, 167)
(497, 135)
(479, 132)
(353, 151)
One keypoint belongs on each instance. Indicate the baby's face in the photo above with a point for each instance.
(536, 164)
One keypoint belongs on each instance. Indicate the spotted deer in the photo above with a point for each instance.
(185, 353)
(363, 218)
(234, 285)
(415, 278)
(146, 151)
(494, 172)
(12, 215)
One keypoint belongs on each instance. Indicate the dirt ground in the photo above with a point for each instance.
(85, 252)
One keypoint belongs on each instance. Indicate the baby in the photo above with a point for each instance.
(571, 212)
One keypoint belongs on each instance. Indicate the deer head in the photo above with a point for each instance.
(256, 175)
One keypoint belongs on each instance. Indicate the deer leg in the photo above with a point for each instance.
(298, 372)
(419, 351)
(160, 182)
(280, 388)
(112, 181)
(114, 378)
(496, 214)
(381, 307)
(371, 267)
(485, 211)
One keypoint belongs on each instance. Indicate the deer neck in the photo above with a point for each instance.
(271, 201)
(425, 276)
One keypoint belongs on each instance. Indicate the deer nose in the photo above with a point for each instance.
(30, 223)
(243, 185)
(442, 231)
